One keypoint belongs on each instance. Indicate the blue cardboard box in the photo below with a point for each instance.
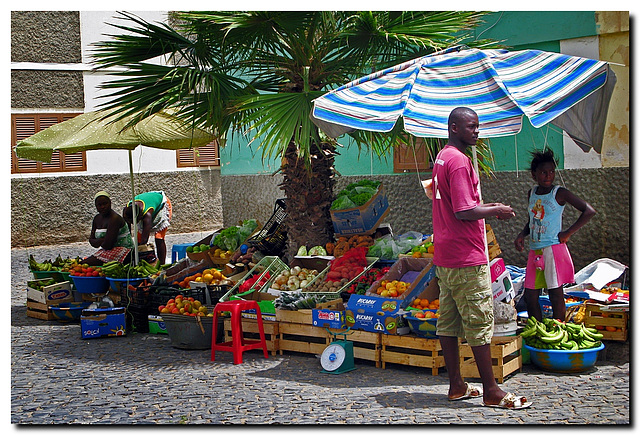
(103, 322)
(364, 219)
(328, 318)
(375, 314)
(421, 270)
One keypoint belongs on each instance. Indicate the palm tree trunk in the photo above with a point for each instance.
(309, 193)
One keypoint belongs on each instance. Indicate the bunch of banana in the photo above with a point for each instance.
(554, 334)
(117, 270)
(578, 317)
(39, 267)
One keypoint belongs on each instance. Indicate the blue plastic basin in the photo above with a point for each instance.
(564, 361)
(90, 284)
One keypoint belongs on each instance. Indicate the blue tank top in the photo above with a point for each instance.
(545, 219)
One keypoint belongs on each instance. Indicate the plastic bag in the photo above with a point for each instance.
(407, 241)
(389, 248)
(247, 228)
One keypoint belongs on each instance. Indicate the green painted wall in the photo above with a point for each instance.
(521, 29)
(541, 30)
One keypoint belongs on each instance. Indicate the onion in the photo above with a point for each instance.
(304, 283)
(295, 270)
(275, 286)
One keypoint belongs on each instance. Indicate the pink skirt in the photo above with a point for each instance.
(549, 267)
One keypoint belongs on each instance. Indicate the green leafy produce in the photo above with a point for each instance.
(355, 194)
(317, 250)
(229, 239)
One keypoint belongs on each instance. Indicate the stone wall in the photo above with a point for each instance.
(55, 210)
(607, 235)
(47, 37)
(60, 209)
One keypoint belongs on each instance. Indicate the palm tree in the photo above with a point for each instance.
(234, 72)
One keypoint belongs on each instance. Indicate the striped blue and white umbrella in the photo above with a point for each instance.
(500, 86)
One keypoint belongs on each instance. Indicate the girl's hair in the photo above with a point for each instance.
(540, 157)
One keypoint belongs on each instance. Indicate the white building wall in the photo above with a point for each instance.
(574, 157)
(94, 28)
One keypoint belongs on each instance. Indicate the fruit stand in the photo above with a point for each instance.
(376, 289)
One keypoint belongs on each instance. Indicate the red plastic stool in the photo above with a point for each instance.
(238, 344)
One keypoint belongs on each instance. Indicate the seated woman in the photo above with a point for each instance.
(110, 233)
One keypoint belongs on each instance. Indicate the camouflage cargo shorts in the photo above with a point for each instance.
(466, 304)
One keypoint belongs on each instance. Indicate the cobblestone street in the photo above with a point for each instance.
(56, 377)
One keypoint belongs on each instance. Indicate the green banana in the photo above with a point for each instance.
(542, 331)
(555, 338)
(588, 333)
(528, 332)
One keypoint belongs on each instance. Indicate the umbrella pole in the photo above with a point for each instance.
(134, 210)
(474, 153)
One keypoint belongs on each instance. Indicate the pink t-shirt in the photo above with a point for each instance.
(457, 243)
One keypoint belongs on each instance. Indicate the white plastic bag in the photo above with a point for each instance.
(600, 272)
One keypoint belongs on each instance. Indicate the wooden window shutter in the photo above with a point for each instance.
(207, 155)
(404, 159)
(25, 125)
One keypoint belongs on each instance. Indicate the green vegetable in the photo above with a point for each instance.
(358, 194)
(317, 250)
(302, 251)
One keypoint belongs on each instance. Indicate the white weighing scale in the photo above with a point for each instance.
(337, 358)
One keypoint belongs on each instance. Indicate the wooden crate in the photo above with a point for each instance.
(366, 345)
(299, 337)
(303, 317)
(492, 243)
(304, 338)
(505, 353)
(250, 331)
(596, 316)
(39, 311)
(413, 351)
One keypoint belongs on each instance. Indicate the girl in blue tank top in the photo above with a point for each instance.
(549, 264)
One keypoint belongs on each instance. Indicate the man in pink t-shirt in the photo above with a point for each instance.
(460, 256)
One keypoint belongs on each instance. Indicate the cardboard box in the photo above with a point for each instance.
(319, 263)
(328, 318)
(103, 322)
(375, 314)
(265, 302)
(51, 294)
(426, 272)
(431, 292)
(156, 325)
(497, 268)
(364, 219)
(502, 288)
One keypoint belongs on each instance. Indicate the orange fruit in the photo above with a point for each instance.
(207, 277)
(611, 328)
(416, 301)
